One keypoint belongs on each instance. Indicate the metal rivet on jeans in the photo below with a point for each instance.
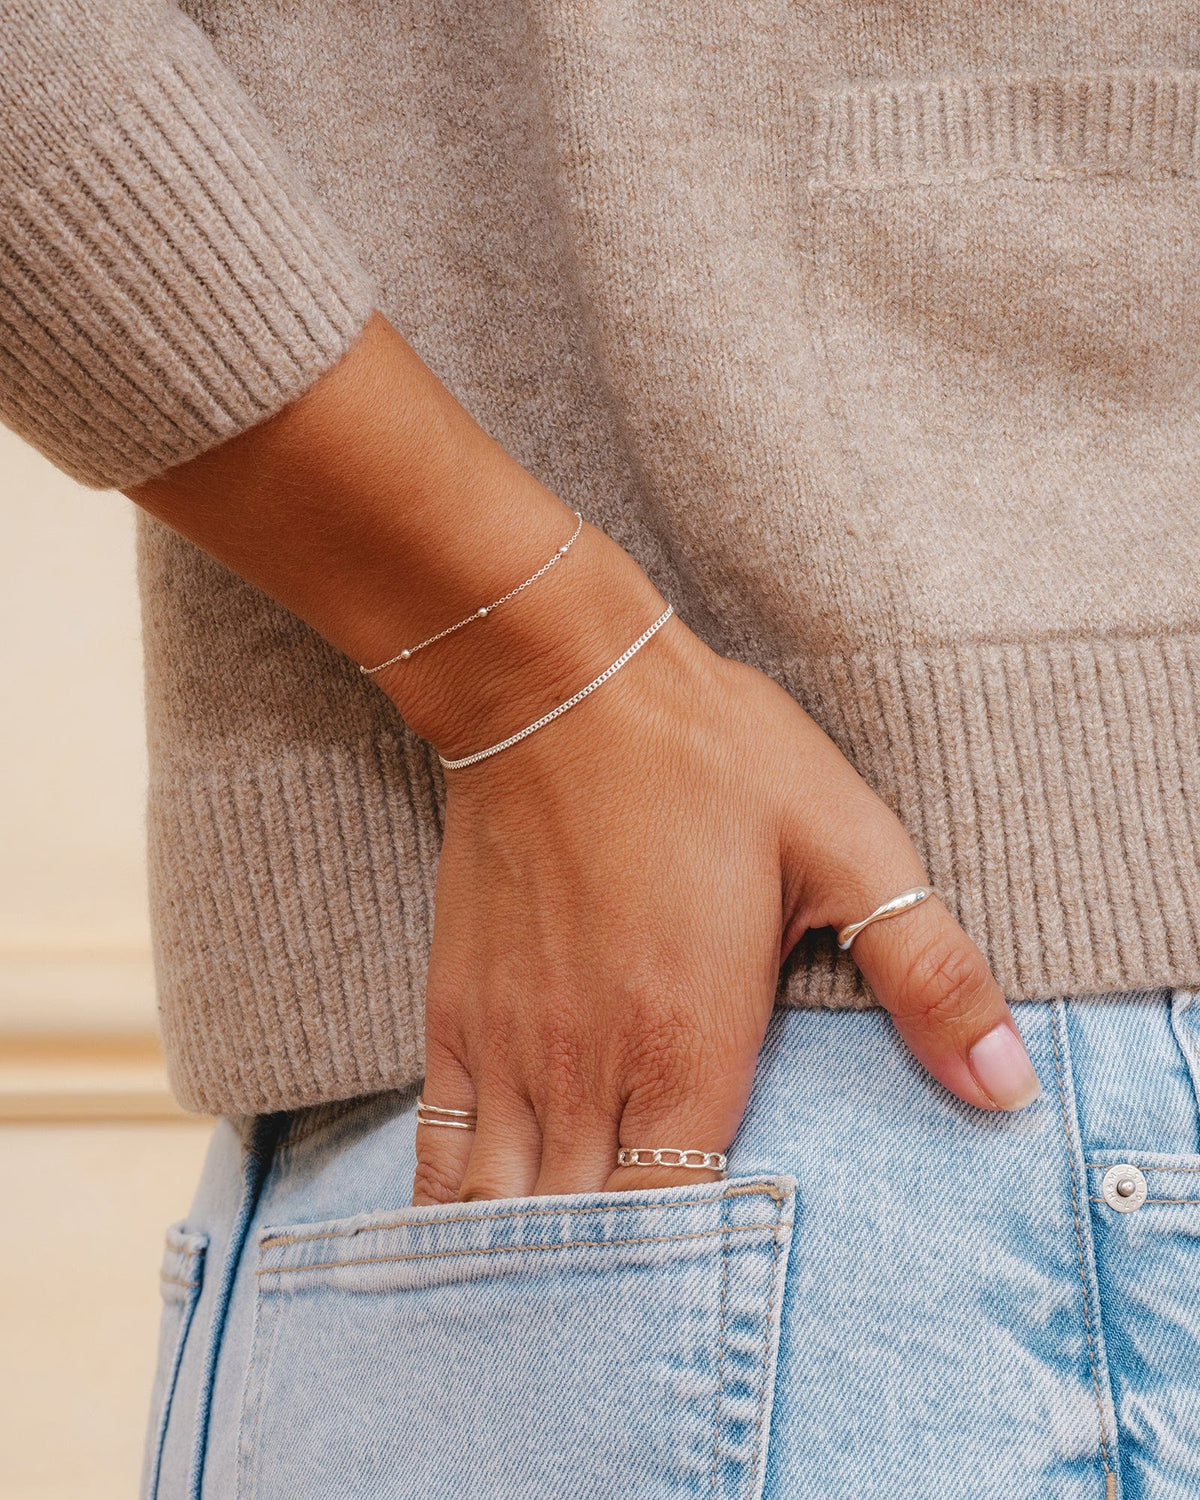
(1124, 1188)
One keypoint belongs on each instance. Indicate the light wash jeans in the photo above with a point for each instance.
(894, 1294)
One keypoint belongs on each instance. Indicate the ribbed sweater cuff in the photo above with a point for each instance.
(166, 278)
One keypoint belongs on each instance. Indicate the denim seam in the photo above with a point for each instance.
(257, 1162)
(1103, 1166)
(1180, 1009)
(1152, 1200)
(176, 1280)
(654, 1239)
(725, 1243)
(768, 1321)
(1087, 1319)
(519, 1213)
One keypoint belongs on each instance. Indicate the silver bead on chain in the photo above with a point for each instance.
(469, 760)
(484, 609)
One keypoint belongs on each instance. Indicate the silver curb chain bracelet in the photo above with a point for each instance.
(469, 760)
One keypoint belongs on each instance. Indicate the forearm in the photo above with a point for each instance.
(376, 509)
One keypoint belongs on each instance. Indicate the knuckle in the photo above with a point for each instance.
(444, 1041)
(943, 983)
(664, 1058)
(565, 1063)
(434, 1182)
(574, 1081)
(496, 1042)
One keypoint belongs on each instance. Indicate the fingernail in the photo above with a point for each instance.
(1002, 1068)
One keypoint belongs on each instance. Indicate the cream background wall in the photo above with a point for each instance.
(94, 1158)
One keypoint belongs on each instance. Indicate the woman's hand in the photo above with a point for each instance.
(617, 891)
(615, 896)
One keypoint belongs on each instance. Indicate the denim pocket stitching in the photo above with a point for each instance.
(1149, 1200)
(1148, 1168)
(753, 1462)
(270, 1240)
(250, 1417)
(750, 1285)
(652, 1239)
(768, 1324)
(1103, 1166)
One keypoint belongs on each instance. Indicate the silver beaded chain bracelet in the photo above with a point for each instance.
(469, 760)
(484, 609)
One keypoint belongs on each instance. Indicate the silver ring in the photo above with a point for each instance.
(905, 901)
(448, 1119)
(672, 1156)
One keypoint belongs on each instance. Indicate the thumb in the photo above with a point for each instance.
(845, 853)
(925, 970)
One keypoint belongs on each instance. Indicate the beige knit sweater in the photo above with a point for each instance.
(871, 329)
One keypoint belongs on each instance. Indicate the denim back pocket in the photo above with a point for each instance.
(180, 1278)
(591, 1345)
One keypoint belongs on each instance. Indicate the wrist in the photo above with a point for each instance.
(377, 510)
(501, 672)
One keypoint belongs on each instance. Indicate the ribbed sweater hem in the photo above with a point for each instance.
(1017, 768)
(296, 892)
(294, 909)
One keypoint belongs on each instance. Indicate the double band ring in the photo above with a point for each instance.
(905, 901)
(672, 1156)
(448, 1119)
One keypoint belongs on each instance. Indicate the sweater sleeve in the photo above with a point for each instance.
(167, 279)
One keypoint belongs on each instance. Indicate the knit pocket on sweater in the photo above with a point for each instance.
(1007, 275)
(592, 1345)
(1031, 235)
